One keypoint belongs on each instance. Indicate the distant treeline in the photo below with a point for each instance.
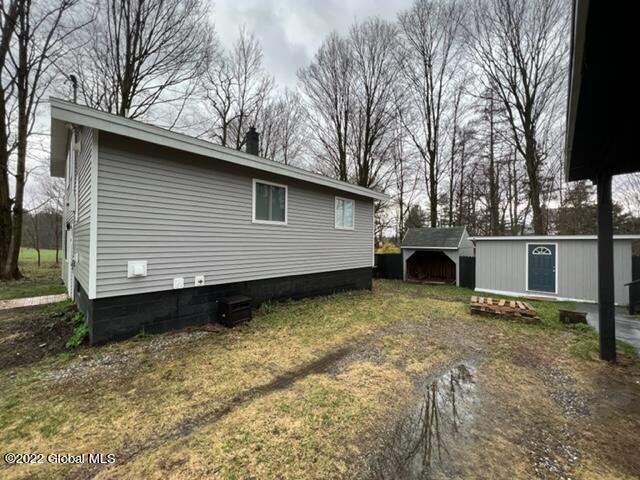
(42, 230)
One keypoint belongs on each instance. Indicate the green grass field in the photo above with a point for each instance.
(312, 389)
(38, 280)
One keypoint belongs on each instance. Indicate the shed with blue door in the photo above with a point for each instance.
(563, 267)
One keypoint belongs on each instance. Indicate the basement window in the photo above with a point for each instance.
(344, 213)
(269, 202)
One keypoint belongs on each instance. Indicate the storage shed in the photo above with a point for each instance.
(560, 267)
(433, 254)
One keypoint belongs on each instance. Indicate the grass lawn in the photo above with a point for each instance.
(42, 280)
(322, 388)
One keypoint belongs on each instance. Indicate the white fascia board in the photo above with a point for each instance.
(77, 114)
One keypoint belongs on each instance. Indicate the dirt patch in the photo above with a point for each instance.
(30, 334)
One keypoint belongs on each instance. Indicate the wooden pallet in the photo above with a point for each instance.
(517, 309)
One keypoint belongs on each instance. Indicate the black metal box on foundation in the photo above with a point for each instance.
(233, 310)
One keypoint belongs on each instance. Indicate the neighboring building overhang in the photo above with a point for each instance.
(65, 114)
(551, 238)
(600, 107)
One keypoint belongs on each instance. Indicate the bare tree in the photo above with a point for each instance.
(431, 33)
(521, 48)
(405, 178)
(375, 98)
(237, 90)
(628, 193)
(280, 124)
(453, 165)
(253, 85)
(327, 84)
(219, 86)
(34, 38)
(142, 53)
(52, 191)
(291, 121)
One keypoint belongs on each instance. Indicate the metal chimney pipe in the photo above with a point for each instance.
(74, 84)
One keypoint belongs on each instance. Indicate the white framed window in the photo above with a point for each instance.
(344, 213)
(269, 202)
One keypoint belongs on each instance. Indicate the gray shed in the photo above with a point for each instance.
(433, 254)
(561, 267)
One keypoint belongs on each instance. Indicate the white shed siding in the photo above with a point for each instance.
(578, 269)
(500, 266)
(194, 217)
(81, 231)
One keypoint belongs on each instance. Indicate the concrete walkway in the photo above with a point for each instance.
(627, 327)
(31, 301)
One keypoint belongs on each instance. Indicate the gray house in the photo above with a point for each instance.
(559, 267)
(158, 225)
(433, 254)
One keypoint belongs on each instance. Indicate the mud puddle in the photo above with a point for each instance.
(421, 443)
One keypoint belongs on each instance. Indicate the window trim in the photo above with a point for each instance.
(335, 216)
(253, 203)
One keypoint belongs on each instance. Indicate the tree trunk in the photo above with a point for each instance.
(8, 31)
(56, 230)
(494, 196)
(433, 191)
(36, 236)
(11, 269)
(534, 186)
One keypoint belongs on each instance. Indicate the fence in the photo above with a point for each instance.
(634, 288)
(468, 272)
(388, 265)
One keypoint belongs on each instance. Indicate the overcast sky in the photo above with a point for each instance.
(291, 31)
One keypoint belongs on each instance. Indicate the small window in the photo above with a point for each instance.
(541, 251)
(269, 202)
(344, 213)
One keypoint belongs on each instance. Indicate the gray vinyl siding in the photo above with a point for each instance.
(188, 215)
(501, 265)
(81, 230)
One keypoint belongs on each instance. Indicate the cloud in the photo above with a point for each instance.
(292, 31)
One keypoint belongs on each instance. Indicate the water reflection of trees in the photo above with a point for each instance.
(421, 439)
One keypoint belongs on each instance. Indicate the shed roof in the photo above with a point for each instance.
(64, 113)
(446, 238)
(550, 238)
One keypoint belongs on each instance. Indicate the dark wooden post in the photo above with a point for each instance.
(605, 271)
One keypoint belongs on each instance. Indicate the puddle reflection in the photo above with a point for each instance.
(419, 444)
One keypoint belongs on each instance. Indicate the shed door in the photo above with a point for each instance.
(541, 260)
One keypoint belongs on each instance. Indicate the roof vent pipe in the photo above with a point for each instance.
(252, 140)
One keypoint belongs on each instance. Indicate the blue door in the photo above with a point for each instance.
(541, 260)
